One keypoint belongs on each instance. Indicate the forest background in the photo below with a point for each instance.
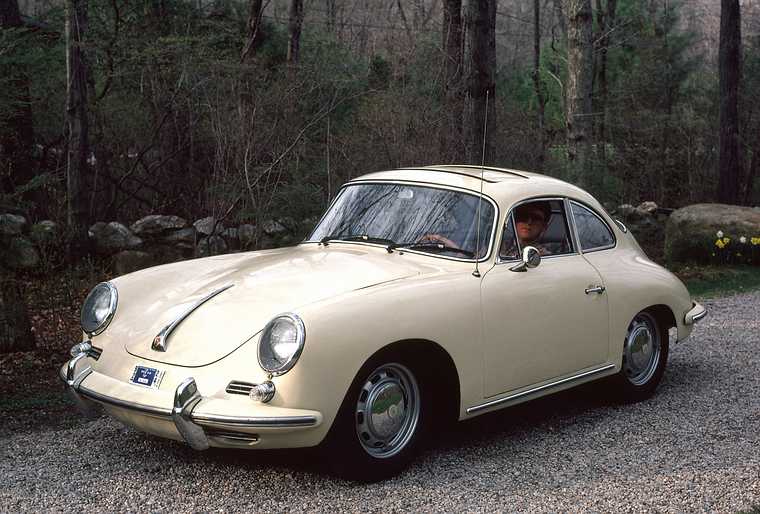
(113, 109)
(259, 110)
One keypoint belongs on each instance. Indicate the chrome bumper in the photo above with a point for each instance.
(186, 399)
(696, 313)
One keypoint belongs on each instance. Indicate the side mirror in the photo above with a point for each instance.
(530, 259)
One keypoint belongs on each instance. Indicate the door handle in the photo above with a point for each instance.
(595, 289)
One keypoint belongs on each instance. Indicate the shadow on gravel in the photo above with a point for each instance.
(539, 414)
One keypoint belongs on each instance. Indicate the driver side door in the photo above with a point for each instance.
(542, 324)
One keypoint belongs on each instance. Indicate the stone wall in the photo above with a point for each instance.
(149, 241)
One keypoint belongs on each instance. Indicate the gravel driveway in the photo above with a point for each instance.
(694, 447)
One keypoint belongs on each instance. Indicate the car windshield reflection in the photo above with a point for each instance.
(426, 219)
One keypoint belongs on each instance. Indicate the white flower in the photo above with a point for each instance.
(719, 234)
(743, 240)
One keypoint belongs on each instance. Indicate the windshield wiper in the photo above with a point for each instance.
(432, 246)
(358, 237)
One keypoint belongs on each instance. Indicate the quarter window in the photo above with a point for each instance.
(593, 233)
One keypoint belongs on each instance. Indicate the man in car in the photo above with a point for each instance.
(531, 220)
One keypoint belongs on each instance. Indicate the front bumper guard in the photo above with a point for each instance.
(186, 399)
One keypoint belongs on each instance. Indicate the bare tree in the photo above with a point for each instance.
(537, 86)
(295, 23)
(77, 126)
(606, 23)
(17, 130)
(729, 64)
(255, 34)
(579, 85)
(481, 35)
(453, 92)
(17, 137)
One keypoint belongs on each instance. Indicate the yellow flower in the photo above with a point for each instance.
(755, 240)
(719, 243)
(726, 240)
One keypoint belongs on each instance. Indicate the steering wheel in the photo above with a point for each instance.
(438, 238)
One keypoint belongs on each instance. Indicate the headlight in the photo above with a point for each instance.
(281, 344)
(99, 308)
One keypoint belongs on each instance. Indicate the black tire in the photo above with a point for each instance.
(356, 447)
(642, 370)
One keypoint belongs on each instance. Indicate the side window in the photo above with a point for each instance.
(509, 249)
(540, 223)
(593, 233)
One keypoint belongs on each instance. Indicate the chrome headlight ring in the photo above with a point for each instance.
(99, 308)
(281, 343)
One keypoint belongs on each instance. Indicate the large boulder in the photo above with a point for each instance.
(183, 238)
(212, 245)
(12, 224)
(691, 232)
(157, 224)
(44, 232)
(113, 237)
(128, 261)
(20, 254)
(207, 225)
(247, 235)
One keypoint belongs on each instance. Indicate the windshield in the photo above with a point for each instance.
(426, 219)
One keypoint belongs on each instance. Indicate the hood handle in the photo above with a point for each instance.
(160, 341)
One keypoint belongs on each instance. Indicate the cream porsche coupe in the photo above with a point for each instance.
(423, 296)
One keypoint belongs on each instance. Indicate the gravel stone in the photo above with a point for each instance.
(694, 447)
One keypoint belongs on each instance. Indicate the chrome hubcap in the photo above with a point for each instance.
(641, 352)
(387, 411)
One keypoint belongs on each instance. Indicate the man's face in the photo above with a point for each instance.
(530, 223)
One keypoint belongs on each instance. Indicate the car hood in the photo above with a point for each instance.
(263, 284)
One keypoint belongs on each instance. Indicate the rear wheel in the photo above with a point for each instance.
(645, 354)
(382, 421)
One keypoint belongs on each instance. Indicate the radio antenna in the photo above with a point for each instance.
(476, 273)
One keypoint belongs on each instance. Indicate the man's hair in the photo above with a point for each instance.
(542, 206)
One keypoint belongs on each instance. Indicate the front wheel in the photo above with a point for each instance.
(645, 354)
(380, 425)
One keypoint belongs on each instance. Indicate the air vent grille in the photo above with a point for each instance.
(237, 387)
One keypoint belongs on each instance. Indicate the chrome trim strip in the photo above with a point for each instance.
(160, 341)
(538, 389)
(254, 422)
(205, 419)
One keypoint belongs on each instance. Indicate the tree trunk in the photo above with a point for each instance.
(255, 35)
(754, 168)
(16, 131)
(540, 102)
(606, 23)
(77, 127)
(15, 329)
(729, 63)
(453, 93)
(481, 34)
(294, 31)
(579, 85)
(559, 14)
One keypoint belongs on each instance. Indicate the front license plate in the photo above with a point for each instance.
(147, 377)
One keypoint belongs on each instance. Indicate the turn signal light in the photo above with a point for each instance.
(262, 392)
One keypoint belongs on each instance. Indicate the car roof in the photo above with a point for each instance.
(503, 184)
